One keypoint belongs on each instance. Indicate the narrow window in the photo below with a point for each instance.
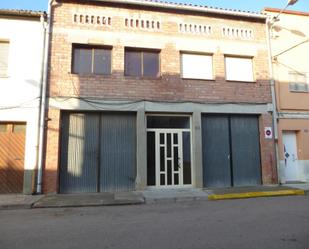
(142, 63)
(4, 58)
(91, 60)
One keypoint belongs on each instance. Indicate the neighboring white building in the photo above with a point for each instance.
(21, 60)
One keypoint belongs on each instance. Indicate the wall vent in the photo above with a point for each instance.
(237, 33)
(143, 24)
(92, 20)
(197, 29)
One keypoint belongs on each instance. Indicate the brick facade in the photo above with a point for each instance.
(169, 86)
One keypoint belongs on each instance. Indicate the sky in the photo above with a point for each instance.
(250, 5)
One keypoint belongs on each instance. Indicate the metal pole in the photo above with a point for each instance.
(43, 102)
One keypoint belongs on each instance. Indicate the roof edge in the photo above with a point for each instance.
(181, 6)
(291, 12)
(21, 13)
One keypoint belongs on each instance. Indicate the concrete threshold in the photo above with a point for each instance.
(89, 199)
(254, 192)
(153, 196)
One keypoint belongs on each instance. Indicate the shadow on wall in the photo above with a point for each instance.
(11, 178)
(279, 28)
(167, 87)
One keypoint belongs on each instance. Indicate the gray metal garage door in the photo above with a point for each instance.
(231, 151)
(98, 152)
(216, 151)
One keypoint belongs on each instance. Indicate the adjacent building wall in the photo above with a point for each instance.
(20, 89)
(290, 46)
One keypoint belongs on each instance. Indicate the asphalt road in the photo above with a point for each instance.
(263, 223)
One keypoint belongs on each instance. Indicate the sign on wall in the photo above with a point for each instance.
(268, 132)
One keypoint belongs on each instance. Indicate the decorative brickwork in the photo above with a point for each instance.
(84, 19)
(195, 29)
(142, 24)
(237, 33)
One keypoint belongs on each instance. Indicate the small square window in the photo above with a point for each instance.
(298, 77)
(4, 58)
(298, 82)
(142, 63)
(196, 66)
(239, 69)
(91, 60)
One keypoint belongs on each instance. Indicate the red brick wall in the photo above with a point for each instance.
(169, 87)
(50, 176)
(268, 156)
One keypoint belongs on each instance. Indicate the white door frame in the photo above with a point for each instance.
(157, 156)
(289, 140)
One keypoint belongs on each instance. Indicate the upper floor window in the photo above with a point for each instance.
(91, 59)
(4, 58)
(299, 81)
(142, 63)
(196, 66)
(239, 69)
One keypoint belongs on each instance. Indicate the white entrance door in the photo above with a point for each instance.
(169, 159)
(290, 156)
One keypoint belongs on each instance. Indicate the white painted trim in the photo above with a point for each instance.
(167, 129)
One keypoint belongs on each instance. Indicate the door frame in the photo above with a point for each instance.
(296, 170)
(191, 147)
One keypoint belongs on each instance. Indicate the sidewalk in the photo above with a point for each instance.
(18, 201)
(90, 199)
(148, 196)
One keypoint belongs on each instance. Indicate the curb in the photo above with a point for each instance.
(256, 194)
(15, 206)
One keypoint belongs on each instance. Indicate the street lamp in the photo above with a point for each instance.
(289, 3)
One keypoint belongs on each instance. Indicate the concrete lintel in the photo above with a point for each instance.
(155, 106)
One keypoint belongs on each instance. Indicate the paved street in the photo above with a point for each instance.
(264, 223)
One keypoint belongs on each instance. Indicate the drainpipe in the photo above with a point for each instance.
(47, 27)
(269, 25)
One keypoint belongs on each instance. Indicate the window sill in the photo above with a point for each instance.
(142, 77)
(241, 81)
(91, 75)
(299, 91)
(195, 79)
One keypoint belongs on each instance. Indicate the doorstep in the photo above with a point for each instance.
(172, 195)
(89, 199)
(253, 192)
